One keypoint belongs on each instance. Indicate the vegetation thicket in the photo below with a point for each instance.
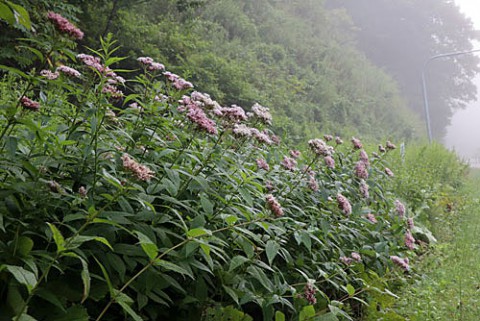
(127, 192)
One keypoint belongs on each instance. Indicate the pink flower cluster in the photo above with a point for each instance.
(390, 146)
(338, 140)
(319, 147)
(381, 149)
(289, 163)
(65, 26)
(142, 172)
(262, 113)
(312, 183)
(178, 82)
(262, 164)
(274, 206)
(49, 74)
(234, 113)
(361, 170)
(409, 240)
(68, 71)
(357, 144)
(329, 162)
(344, 204)
(364, 157)
(400, 208)
(198, 117)
(150, 64)
(295, 153)
(403, 263)
(364, 189)
(309, 292)
(371, 218)
(29, 104)
(354, 257)
(389, 172)
(328, 137)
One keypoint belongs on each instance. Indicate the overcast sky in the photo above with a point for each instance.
(464, 133)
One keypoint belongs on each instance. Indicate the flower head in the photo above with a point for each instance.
(338, 140)
(361, 170)
(346, 260)
(364, 189)
(142, 172)
(329, 162)
(371, 218)
(274, 206)
(410, 224)
(390, 146)
(403, 263)
(262, 164)
(49, 74)
(357, 144)
(356, 257)
(364, 157)
(27, 103)
(295, 153)
(309, 292)
(389, 172)
(344, 204)
(319, 147)
(68, 71)
(65, 26)
(409, 240)
(328, 137)
(289, 163)
(312, 183)
(262, 113)
(400, 208)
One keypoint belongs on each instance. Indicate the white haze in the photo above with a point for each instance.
(463, 135)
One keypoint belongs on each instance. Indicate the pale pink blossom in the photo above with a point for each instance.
(389, 172)
(49, 74)
(371, 218)
(356, 257)
(390, 146)
(262, 164)
(364, 189)
(364, 157)
(338, 140)
(92, 61)
(381, 149)
(319, 147)
(82, 191)
(400, 208)
(262, 113)
(142, 172)
(65, 26)
(344, 204)
(357, 144)
(403, 263)
(309, 293)
(346, 260)
(295, 153)
(312, 183)
(409, 240)
(68, 71)
(274, 206)
(289, 163)
(242, 130)
(329, 162)
(361, 170)
(198, 116)
(328, 137)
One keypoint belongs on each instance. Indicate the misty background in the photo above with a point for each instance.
(464, 128)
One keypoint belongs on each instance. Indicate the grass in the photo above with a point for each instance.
(449, 284)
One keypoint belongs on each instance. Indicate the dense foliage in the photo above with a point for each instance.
(126, 194)
(296, 57)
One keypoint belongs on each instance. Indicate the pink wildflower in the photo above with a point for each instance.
(312, 183)
(371, 218)
(295, 153)
(262, 164)
(389, 172)
(357, 144)
(234, 113)
(329, 161)
(289, 163)
(364, 189)
(356, 257)
(92, 61)
(275, 139)
(390, 146)
(309, 292)
(409, 240)
(361, 170)
(113, 91)
(197, 116)
(142, 172)
(145, 60)
(242, 130)
(319, 147)
(261, 137)
(262, 113)
(49, 74)
(346, 260)
(364, 157)
(400, 208)
(344, 204)
(338, 140)
(381, 149)
(328, 137)
(29, 104)
(410, 224)
(65, 26)
(403, 263)
(274, 206)
(69, 71)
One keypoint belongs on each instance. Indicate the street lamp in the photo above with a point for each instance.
(424, 84)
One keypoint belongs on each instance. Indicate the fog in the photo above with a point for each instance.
(464, 132)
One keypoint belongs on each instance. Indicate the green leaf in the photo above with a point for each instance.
(350, 290)
(206, 205)
(148, 246)
(231, 219)
(74, 313)
(237, 261)
(307, 313)
(22, 276)
(125, 301)
(26, 317)
(271, 248)
(78, 240)
(196, 232)
(15, 71)
(24, 245)
(85, 274)
(279, 316)
(169, 266)
(6, 14)
(326, 317)
(21, 15)
(58, 238)
(231, 293)
(47, 295)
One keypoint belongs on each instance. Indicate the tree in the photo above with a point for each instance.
(400, 35)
